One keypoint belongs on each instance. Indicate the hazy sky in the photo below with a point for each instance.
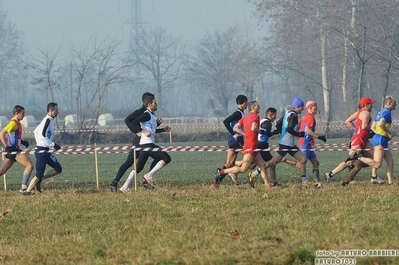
(49, 23)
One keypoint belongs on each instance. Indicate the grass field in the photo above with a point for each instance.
(183, 221)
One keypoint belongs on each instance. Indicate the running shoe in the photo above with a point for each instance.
(114, 187)
(377, 180)
(218, 176)
(149, 181)
(251, 180)
(352, 157)
(304, 180)
(123, 190)
(276, 185)
(234, 178)
(328, 177)
(27, 193)
(344, 184)
(38, 188)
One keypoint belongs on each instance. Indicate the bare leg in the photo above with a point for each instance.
(302, 159)
(7, 163)
(246, 162)
(390, 163)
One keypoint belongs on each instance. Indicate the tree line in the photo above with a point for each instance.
(334, 52)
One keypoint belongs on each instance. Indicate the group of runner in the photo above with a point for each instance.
(250, 136)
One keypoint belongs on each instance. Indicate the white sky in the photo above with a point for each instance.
(50, 23)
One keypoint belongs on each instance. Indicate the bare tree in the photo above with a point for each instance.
(334, 47)
(95, 72)
(249, 70)
(11, 53)
(46, 71)
(214, 68)
(160, 55)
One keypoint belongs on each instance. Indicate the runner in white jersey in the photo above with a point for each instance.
(147, 124)
(44, 133)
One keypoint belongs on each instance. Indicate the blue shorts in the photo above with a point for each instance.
(310, 154)
(379, 139)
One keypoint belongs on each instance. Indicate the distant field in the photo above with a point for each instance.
(185, 222)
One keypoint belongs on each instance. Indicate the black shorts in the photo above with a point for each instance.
(236, 146)
(266, 155)
(13, 157)
(291, 152)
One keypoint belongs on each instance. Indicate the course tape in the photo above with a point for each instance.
(91, 149)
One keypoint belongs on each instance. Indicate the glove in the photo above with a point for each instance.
(262, 131)
(322, 138)
(26, 143)
(301, 134)
(57, 147)
(10, 149)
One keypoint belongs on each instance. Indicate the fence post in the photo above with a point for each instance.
(4, 175)
(96, 163)
(135, 167)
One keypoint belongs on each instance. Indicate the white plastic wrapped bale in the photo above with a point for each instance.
(106, 119)
(71, 121)
(29, 122)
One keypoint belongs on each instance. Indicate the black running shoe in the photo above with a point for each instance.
(38, 188)
(218, 176)
(26, 193)
(114, 186)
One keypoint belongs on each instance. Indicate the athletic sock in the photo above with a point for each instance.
(316, 175)
(25, 179)
(129, 180)
(255, 173)
(157, 167)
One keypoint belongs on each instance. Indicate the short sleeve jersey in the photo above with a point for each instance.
(307, 121)
(386, 114)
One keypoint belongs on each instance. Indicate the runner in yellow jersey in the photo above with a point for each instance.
(11, 137)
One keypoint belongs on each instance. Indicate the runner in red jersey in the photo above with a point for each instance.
(362, 132)
(249, 127)
(359, 141)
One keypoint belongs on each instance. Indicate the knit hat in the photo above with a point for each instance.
(240, 99)
(297, 103)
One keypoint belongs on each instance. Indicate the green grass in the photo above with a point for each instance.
(185, 222)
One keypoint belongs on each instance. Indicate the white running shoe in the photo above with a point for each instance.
(377, 180)
(123, 190)
(149, 181)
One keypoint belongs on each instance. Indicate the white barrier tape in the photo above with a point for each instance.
(187, 127)
(125, 149)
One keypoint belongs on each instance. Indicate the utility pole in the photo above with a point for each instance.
(136, 23)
